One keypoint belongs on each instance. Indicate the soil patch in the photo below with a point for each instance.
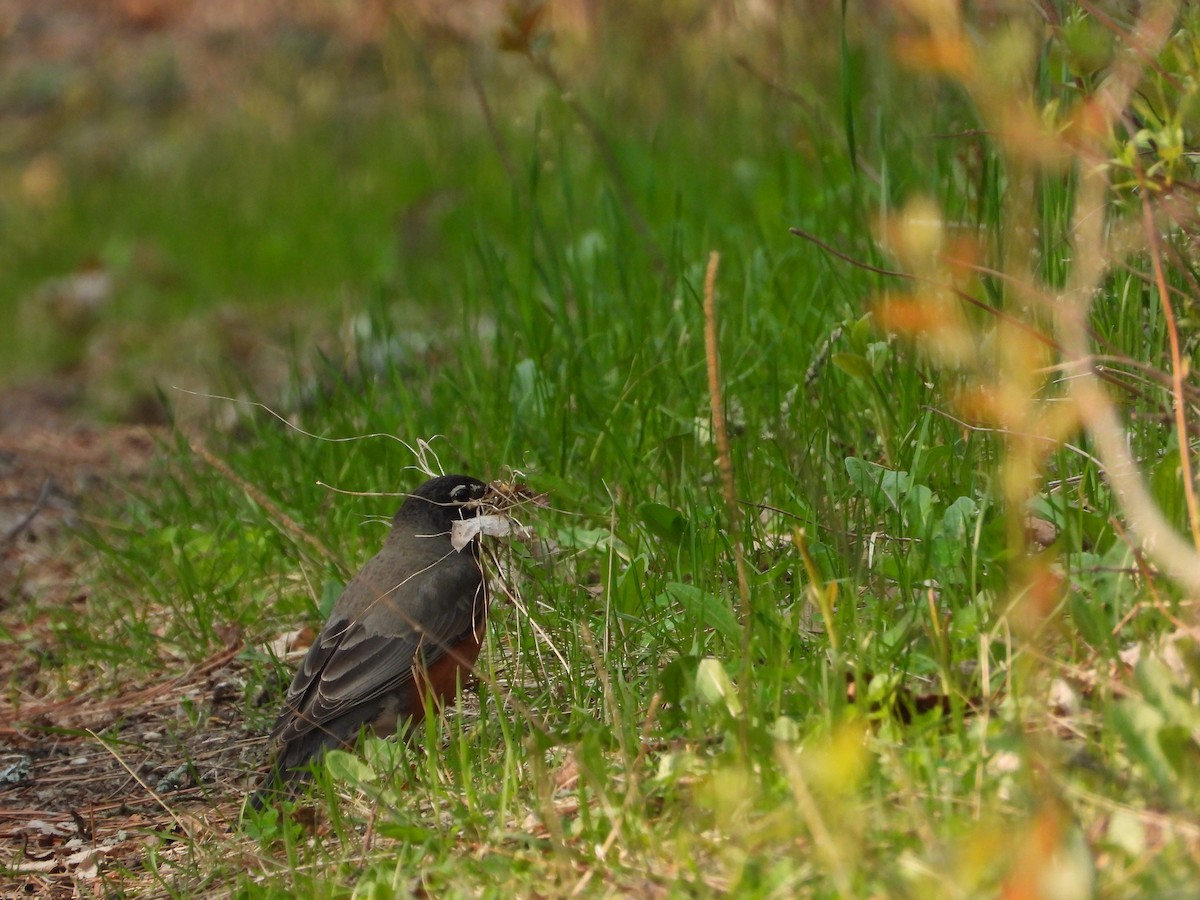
(89, 782)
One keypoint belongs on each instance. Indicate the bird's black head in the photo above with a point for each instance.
(442, 500)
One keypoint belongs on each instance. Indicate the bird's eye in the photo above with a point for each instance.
(460, 492)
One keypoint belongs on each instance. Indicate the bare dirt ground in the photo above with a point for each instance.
(86, 779)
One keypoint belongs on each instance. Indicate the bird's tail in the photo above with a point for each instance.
(278, 784)
(292, 766)
(289, 770)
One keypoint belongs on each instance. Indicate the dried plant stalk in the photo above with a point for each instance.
(721, 433)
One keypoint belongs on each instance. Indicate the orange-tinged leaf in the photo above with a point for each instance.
(1026, 135)
(950, 55)
(915, 314)
(1089, 123)
(980, 405)
(915, 235)
(961, 258)
(1043, 593)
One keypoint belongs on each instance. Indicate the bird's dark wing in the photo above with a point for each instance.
(372, 641)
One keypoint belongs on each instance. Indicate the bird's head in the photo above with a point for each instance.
(441, 501)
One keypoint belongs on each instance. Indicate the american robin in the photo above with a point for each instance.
(407, 627)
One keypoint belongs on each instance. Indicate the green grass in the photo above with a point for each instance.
(625, 744)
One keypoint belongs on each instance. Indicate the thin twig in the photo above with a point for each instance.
(254, 493)
(134, 775)
(1009, 432)
(38, 505)
(1178, 370)
(908, 276)
(783, 90)
(489, 120)
(846, 257)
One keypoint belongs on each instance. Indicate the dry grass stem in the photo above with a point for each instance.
(256, 494)
(720, 431)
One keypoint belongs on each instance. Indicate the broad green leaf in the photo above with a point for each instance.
(861, 331)
(958, 521)
(714, 687)
(348, 768)
(1166, 484)
(677, 678)
(710, 610)
(896, 485)
(527, 393)
(1162, 689)
(918, 508)
(663, 521)
(852, 364)
(1139, 723)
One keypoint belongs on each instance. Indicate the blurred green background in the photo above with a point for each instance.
(191, 192)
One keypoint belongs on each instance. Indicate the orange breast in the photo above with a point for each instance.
(439, 681)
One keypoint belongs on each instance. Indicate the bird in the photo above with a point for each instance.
(408, 627)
